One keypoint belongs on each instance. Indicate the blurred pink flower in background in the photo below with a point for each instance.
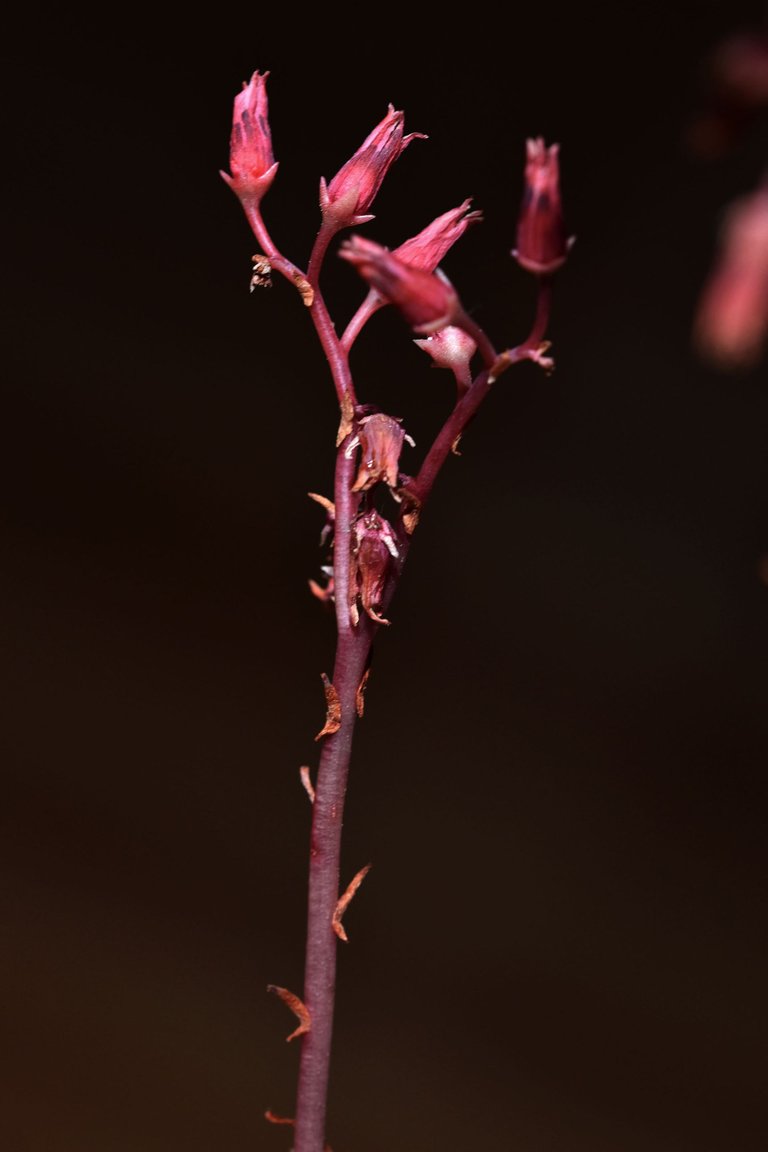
(731, 321)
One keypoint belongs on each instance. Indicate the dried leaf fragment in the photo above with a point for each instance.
(324, 595)
(345, 900)
(537, 355)
(324, 502)
(307, 782)
(333, 710)
(306, 290)
(346, 423)
(411, 509)
(261, 276)
(275, 1119)
(502, 363)
(360, 693)
(410, 520)
(296, 1006)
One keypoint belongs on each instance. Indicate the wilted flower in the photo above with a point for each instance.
(372, 554)
(380, 439)
(349, 196)
(732, 318)
(250, 148)
(426, 299)
(451, 348)
(542, 242)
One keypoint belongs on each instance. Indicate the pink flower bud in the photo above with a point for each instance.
(732, 318)
(451, 348)
(371, 562)
(426, 300)
(427, 250)
(542, 243)
(380, 439)
(349, 196)
(424, 251)
(250, 147)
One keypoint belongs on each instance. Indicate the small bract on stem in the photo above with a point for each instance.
(375, 507)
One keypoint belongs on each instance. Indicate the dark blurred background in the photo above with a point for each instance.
(560, 776)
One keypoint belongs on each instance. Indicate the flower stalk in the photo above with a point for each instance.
(375, 508)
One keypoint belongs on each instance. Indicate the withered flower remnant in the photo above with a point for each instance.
(731, 323)
(380, 440)
(370, 564)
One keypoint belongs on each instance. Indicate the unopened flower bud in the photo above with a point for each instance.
(380, 439)
(542, 241)
(347, 199)
(371, 562)
(452, 348)
(426, 300)
(250, 148)
(732, 319)
(427, 249)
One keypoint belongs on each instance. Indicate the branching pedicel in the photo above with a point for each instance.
(375, 507)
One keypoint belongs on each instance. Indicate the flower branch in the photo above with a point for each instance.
(367, 550)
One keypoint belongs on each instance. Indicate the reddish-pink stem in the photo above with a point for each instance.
(352, 655)
(336, 356)
(276, 258)
(372, 303)
(469, 403)
(353, 651)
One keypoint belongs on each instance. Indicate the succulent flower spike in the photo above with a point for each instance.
(426, 300)
(371, 562)
(363, 554)
(250, 148)
(542, 242)
(380, 439)
(347, 199)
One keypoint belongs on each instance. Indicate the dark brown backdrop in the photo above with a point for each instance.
(560, 778)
